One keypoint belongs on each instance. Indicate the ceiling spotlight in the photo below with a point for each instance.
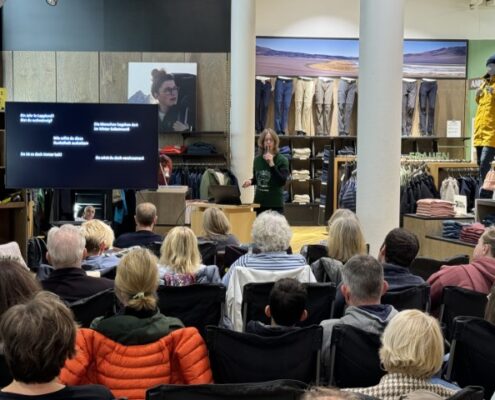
(52, 2)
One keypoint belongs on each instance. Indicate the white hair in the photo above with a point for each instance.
(65, 246)
(271, 232)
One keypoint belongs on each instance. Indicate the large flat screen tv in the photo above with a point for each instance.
(81, 146)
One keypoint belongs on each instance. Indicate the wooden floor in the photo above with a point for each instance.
(302, 235)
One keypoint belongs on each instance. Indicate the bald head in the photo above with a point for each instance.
(145, 215)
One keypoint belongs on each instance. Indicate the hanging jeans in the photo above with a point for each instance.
(303, 97)
(409, 90)
(427, 99)
(283, 98)
(345, 101)
(485, 155)
(323, 102)
(263, 93)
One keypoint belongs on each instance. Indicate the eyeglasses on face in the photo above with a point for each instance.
(170, 91)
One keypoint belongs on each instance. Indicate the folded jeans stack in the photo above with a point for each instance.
(301, 198)
(472, 233)
(285, 151)
(435, 208)
(489, 220)
(302, 154)
(300, 175)
(452, 229)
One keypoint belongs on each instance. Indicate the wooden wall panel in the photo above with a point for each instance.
(7, 73)
(113, 76)
(34, 76)
(78, 77)
(213, 91)
(164, 57)
(451, 101)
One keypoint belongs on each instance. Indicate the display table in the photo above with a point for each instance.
(170, 203)
(423, 227)
(241, 218)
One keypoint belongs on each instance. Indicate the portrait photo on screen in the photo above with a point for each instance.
(170, 85)
(81, 146)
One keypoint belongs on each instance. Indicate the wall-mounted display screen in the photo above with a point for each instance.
(85, 146)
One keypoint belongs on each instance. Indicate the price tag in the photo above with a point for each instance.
(453, 128)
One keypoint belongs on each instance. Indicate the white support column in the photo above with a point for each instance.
(379, 117)
(242, 91)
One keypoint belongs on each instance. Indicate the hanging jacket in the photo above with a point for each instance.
(128, 371)
(484, 122)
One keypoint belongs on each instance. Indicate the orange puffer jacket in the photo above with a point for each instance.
(179, 357)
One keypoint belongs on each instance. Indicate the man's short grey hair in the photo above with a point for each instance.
(65, 246)
(363, 275)
(271, 232)
(145, 214)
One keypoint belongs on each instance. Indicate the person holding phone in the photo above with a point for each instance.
(270, 172)
(166, 92)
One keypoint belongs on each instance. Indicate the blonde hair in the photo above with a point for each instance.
(180, 251)
(137, 280)
(276, 140)
(97, 232)
(345, 239)
(328, 393)
(215, 223)
(412, 344)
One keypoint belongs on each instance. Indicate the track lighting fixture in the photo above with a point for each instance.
(52, 2)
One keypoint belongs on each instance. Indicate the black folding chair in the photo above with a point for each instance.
(237, 357)
(457, 301)
(255, 297)
(425, 266)
(472, 354)
(283, 389)
(354, 359)
(315, 252)
(414, 297)
(87, 309)
(469, 393)
(208, 251)
(154, 247)
(196, 305)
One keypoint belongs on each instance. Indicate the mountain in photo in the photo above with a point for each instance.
(266, 51)
(140, 98)
(444, 55)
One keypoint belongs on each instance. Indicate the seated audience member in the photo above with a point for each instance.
(396, 254)
(139, 347)
(99, 238)
(411, 354)
(146, 217)
(38, 337)
(180, 261)
(287, 307)
(271, 233)
(479, 275)
(345, 239)
(88, 214)
(362, 287)
(490, 306)
(217, 227)
(17, 284)
(66, 250)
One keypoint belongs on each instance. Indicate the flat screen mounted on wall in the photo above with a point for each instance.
(85, 146)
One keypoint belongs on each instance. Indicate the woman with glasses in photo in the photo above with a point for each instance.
(166, 92)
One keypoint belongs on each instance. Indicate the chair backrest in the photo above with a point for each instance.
(425, 266)
(457, 301)
(195, 305)
(208, 251)
(469, 393)
(319, 304)
(154, 247)
(354, 359)
(237, 357)
(220, 258)
(315, 252)
(87, 309)
(282, 389)
(472, 354)
(414, 297)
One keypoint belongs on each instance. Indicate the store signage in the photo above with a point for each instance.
(453, 129)
(460, 205)
(474, 84)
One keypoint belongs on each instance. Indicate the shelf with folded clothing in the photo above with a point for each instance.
(484, 209)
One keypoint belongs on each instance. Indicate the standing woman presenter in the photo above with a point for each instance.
(270, 172)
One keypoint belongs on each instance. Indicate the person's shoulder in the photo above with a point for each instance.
(280, 159)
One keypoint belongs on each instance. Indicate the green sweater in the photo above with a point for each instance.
(270, 181)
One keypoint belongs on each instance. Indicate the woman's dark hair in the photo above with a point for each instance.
(17, 285)
(158, 76)
(38, 337)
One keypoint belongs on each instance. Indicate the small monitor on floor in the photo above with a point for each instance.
(225, 194)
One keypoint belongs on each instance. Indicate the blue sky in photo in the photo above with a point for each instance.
(345, 47)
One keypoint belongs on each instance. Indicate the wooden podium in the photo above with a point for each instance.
(170, 202)
(241, 218)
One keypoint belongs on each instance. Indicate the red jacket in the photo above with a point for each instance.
(180, 357)
(478, 276)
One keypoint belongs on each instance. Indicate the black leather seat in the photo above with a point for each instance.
(414, 297)
(87, 309)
